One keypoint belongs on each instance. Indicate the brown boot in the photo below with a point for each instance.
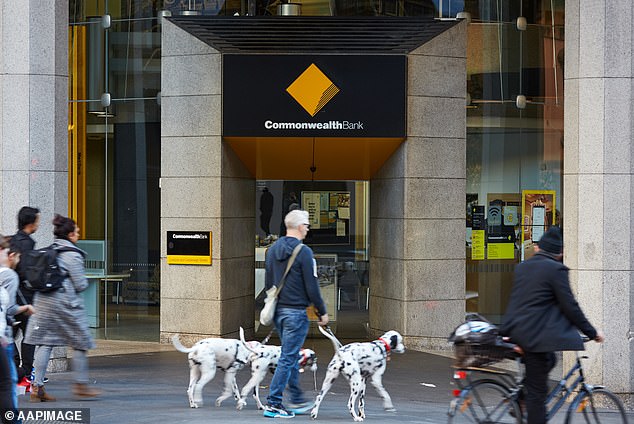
(38, 394)
(85, 391)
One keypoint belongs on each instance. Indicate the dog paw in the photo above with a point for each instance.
(194, 405)
(218, 402)
(390, 409)
(313, 414)
(358, 419)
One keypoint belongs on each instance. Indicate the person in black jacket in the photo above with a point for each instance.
(28, 223)
(543, 317)
(291, 321)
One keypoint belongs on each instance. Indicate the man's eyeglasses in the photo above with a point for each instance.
(307, 226)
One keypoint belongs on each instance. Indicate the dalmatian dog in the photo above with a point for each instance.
(207, 355)
(265, 357)
(357, 362)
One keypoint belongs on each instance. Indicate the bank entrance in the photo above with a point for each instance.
(329, 178)
(339, 238)
(357, 127)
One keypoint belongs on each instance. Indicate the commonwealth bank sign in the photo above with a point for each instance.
(314, 96)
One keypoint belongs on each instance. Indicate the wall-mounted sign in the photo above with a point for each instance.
(314, 96)
(189, 247)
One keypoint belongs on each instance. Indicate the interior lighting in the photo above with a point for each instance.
(520, 101)
(105, 99)
(464, 15)
(106, 21)
(163, 14)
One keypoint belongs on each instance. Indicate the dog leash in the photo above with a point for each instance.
(268, 336)
(329, 331)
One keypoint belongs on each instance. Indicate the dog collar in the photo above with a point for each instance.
(387, 346)
(302, 362)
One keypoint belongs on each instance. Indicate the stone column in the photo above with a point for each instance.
(33, 112)
(204, 186)
(34, 118)
(417, 204)
(598, 199)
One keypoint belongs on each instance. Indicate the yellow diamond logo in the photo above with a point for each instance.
(312, 89)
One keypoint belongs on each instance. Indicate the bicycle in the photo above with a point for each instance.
(495, 397)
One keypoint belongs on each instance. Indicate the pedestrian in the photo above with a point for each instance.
(61, 318)
(543, 317)
(28, 223)
(10, 309)
(266, 210)
(291, 320)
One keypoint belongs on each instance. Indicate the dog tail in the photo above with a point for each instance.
(244, 342)
(177, 344)
(336, 343)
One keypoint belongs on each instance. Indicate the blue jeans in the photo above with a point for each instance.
(292, 327)
(8, 381)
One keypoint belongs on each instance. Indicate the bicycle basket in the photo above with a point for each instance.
(468, 354)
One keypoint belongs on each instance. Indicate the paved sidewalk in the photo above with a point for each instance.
(151, 387)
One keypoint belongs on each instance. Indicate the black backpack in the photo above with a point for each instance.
(40, 270)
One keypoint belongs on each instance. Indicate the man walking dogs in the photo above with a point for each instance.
(543, 317)
(300, 290)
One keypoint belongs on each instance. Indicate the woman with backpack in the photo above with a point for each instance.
(61, 318)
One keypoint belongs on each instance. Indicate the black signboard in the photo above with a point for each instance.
(477, 217)
(189, 247)
(314, 96)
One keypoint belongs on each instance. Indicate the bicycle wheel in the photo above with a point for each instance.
(485, 402)
(597, 406)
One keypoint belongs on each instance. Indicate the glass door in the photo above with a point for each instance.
(339, 237)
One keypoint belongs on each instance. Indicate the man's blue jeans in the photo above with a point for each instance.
(292, 327)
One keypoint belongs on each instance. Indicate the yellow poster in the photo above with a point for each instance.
(501, 251)
(477, 245)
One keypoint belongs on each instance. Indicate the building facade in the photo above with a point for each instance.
(515, 119)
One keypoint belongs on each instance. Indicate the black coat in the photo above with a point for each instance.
(542, 314)
(22, 242)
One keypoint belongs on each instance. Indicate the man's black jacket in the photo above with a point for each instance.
(542, 314)
(22, 242)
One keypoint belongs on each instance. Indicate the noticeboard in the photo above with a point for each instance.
(189, 247)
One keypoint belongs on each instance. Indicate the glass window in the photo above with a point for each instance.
(514, 143)
(115, 161)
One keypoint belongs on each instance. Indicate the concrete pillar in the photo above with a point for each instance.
(417, 204)
(598, 198)
(34, 118)
(33, 112)
(204, 187)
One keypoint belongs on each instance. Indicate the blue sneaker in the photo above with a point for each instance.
(277, 411)
(301, 408)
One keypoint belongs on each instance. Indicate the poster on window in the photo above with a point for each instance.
(538, 214)
(311, 202)
(329, 216)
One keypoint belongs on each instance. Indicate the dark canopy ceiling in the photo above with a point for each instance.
(313, 34)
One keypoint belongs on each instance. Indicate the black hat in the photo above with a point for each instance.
(552, 241)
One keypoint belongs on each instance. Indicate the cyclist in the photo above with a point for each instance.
(543, 317)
